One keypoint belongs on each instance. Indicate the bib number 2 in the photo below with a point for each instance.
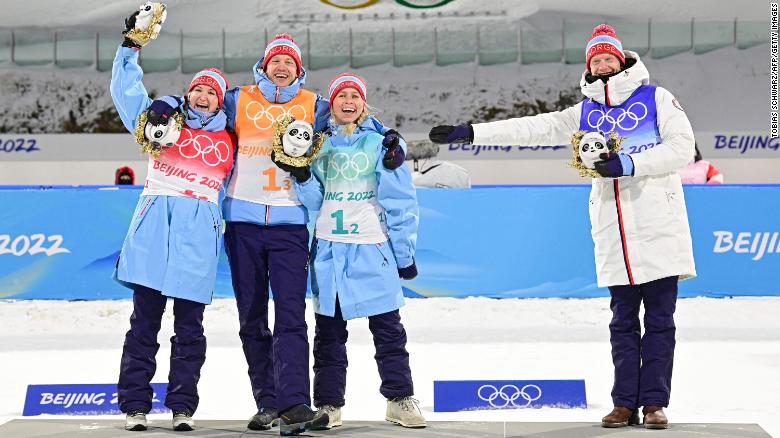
(339, 216)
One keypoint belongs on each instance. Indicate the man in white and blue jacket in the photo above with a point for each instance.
(637, 211)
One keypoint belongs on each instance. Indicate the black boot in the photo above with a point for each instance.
(264, 419)
(301, 418)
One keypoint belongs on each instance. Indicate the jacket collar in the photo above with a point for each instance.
(271, 92)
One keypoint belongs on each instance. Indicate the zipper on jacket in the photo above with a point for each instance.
(276, 97)
(267, 214)
(606, 94)
(376, 245)
(622, 230)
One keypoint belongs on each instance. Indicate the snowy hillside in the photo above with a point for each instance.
(723, 89)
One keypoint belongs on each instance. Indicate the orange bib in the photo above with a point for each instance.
(256, 178)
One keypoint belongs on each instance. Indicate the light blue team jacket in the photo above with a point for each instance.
(364, 276)
(173, 242)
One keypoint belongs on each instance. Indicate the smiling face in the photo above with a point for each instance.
(282, 70)
(347, 106)
(604, 64)
(203, 98)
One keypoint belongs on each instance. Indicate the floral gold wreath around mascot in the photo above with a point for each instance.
(140, 136)
(613, 145)
(280, 126)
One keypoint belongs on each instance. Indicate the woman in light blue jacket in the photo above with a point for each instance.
(172, 247)
(366, 231)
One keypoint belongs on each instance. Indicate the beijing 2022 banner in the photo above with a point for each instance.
(526, 241)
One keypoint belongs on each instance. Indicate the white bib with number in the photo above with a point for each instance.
(350, 212)
(255, 177)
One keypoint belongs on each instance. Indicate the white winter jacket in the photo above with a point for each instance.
(639, 224)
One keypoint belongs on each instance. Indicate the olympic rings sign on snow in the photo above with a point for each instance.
(212, 154)
(359, 4)
(340, 164)
(508, 394)
(264, 118)
(611, 121)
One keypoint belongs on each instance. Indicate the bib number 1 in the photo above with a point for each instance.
(339, 216)
(272, 186)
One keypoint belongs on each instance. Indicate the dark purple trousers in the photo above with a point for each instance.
(330, 357)
(278, 362)
(643, 366)
(188, 353)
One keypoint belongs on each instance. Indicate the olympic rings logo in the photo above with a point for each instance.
(264, 117)
(359, 4)
(620, 121)
(340, 164)
(212, 154)
(508, 394)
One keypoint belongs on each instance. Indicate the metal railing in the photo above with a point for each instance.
(488, 44)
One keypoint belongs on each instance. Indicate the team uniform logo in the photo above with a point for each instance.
(264, 117)
(211, 153)
(625, 119)
(341, 165)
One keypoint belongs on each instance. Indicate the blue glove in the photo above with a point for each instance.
(160, 111)
(409, 272)
(394, 156)
(448, 134)
(614, 165)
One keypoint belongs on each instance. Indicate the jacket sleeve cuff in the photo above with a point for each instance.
(628, 164)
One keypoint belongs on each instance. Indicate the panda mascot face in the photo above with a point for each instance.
(592, 145)
(297, 138)
(144, 17)
(162, 135)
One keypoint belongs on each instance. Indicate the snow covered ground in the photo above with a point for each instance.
(727, 357)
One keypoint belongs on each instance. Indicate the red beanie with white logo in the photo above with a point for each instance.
(283, 44)
(214, 79)
(604, 40)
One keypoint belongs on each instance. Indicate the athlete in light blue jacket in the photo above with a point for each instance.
(366, 231)
(172, 246)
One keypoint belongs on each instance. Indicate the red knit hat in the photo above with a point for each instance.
(283, 44)
(604, 40)
(214, 79)
(346, 80)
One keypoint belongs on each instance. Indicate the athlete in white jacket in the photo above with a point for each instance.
(638, 218)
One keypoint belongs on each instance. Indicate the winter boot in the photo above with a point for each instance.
(620, 417)
(334, 417)
(135, 421)
(404, 411)
(264, 419)
(654, 417)
(301, 418)
(182, 421)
